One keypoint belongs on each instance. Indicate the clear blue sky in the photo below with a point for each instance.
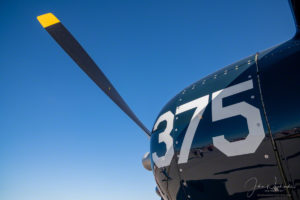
(60, 137)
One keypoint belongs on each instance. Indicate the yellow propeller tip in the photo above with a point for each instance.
(47, 19)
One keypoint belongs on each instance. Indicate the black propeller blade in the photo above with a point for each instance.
(65, 39)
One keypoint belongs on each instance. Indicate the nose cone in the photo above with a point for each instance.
(146, 161)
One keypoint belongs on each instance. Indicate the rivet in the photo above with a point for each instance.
(236, 67)
(176, 129)
(176, 142)
(189, 196)
(252, 97)
(266, 156)
(180, 170)
(249, 76)
(176, 118)
(180, 99)
(184, 183)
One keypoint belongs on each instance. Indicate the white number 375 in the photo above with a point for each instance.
(241, 147)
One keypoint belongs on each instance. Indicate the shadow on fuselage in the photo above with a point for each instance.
(216, 189)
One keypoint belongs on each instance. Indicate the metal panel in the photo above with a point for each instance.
(207, 169)
(280, 72)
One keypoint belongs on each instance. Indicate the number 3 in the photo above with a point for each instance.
(166, 138)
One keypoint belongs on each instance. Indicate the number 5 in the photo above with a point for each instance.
(251, 113)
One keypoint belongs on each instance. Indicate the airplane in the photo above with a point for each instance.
(234, 134)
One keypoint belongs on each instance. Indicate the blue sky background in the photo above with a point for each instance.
(60, 137)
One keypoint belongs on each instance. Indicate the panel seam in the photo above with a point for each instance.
(275, 149)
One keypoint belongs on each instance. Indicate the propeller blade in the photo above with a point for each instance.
(65, 39)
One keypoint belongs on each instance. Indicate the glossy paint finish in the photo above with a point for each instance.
(280, 89)
(273, 170)
(209, 173)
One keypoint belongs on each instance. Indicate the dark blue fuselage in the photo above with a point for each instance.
(273, 169)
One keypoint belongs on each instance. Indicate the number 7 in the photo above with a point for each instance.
(200, 105)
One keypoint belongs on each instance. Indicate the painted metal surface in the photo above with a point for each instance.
(211, 174)
(280, 82)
